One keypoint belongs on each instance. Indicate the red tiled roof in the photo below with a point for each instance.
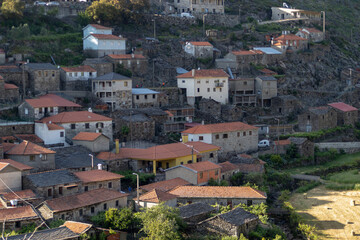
(30, 137)
(283, 142)
(251, 167)
(156, 196)
(28, 148)
(97, 176)
(202, 166)
(245, 52)
(10, 86)
(245, 156)
(107, 37)
(342, 107)
(169, 113)
(77, 227)
(24, 194)
(8, 67)
(126, 56)
(204, 73)
(50, 100)
(267, 71)
(201, 44)
(227, 166)
(108, 156)
(7, 146)
(84, 68)
(166, 185)
(217, 192)
(15, 214)
(219, 127)
(97, 26)
(74, 117)
(86, 136)
(83, 199)
(9, 138)
(289, 37)
(313, 30)
(52, 126)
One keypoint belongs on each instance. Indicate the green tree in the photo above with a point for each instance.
(308, 231)
(161, 222)
(20, 32)
(259, 210)
(237, 179)
(120, 219)
(120, 69)
(12, 8)
(276, 160)
(103, 11)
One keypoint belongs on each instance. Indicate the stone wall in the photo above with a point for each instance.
(173, 95)
(348, 147)
(11, 128)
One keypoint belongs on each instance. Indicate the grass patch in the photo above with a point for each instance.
(348, 177)
(307, 187)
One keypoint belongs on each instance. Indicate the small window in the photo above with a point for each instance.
(86, 188)
(214, 89)
(105, 206)
(238, 134)
(63, 216)
(217, 136)
(250, 133)
(208, 89)
(125, 84)
(53, 73)
(61, 134)
(198, 90)
(244, 134)
(201, 138)
(18, 224)
(100, 185)
(117, 203)
(145, 96)
(137, 97)
(216, 172)
(49, 192)
(73, 126)
(26, 111)
(92, 210)
(60, 190)
(182, 163)
(80, 212)
(207, 81)
(198, 82)
(87, 125)
(32, 158)
(225, 135)
(211, 155)
(110, 185)
(183, 81)
(154, 96)
(201, 175)
(245, 83)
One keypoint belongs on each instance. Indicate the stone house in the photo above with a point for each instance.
(76, 78)
(202, 50)
(290, 42)
(304, 146)
(317, 118)
(281, 13)
(28, 137)
(240, 61)
(11, 177)
(116, 161)
(136, 63)
(285, 105)
(177, 117)
(101, 65)
(28, 153)
(228, 169)
(210, 106)
(9, 128)
(25, 169)
(346, 114)
(312, 34)
(196, 212)
(156, 197)
(96, 179)
(204, 83)
(248, 164)
(82, 121)
(222, 195)
(198, 6)
(43, 77)
(138, 125)
(95, 142)
(14, 74)
(113, 89)
(15, 218)
(76, 207)
(50, 133)
(269, 55)
(144, 97)
(44, 106)
(165, 185)
(230, 137)
(53, 184)
(9, 93)
(196, 173)
(266, 89)
(242, 91)
(233, 223)
(19, 198)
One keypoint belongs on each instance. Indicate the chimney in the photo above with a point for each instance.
(132, 55)
(90, 110)
(193, 72)
(116, 146)
(99, 166)
(202, 122)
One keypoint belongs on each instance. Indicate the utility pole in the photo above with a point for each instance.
(204, 24)
(323, 13)
(137, 189)
(154, 28)
(277, 147)
(153, 75)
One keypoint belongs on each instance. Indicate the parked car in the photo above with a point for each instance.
(53, 4)
(264, 143)
(187, 15)
(39, 3)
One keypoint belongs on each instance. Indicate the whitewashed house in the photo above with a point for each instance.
(199, 49)
(52, 134)
(82, 73)
(96, 29)
(205, 83)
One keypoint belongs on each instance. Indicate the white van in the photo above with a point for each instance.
(187, 15)
(264, 143)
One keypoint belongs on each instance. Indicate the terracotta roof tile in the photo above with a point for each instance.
(15, 214)
(28, 148)
(342, 107)
(217, 192)
(201, 44)
(9, 139)
(245, 52)
(313, 30)
(156, 196)
(107, 37)
(74, 117)
(86, 136)
(245, 156)
(251, 167)
(7, 146)
(202, 166)
(16, 164)
(283, 142)
(166, 185)
(24, 194)
(50, 100)
(30, 137)
(203, 73)
(3, 165)
(84, 68)
(10, 86)
(126, 56)
(267, 71)
(83, 199)
(219, 128)
(108, 156)
(77, 227)
(228, 166)
(97, 176)
(289, 37)
(52, 126)
(97, 26)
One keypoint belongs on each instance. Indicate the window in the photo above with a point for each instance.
(145, 96)
(249, 202)
(80, 212)
(201, 138)
(18, 224)
(51, 109)
(109, 84)
(201, 175)
(250, 133)
(87, 125)
(105, 206)
(208, 89)
(238, 134)
(46, 73)
(70, 74)
(198, 90)
(73, 126)
(211, 155)
(125, 84)
(182, 163)
(225, 135)
(214, 89)
(63, 216)
(183, 81)
(99, 125)
(154, 96)
(137, 97)
(116, 203)
(86, 188)
(60, 190)
(53, 73)
(49, 192)
(92, 210)
(217, 136)
(244, 134)
(43, 157)
(100, 185)
(40, 110)
(110, 185)
(26, 111)
(216, 172)
(61, 134)
(32, 157)
(75, 74)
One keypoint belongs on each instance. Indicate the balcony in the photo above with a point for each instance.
(219, 84)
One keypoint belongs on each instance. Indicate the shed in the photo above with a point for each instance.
(95, 142)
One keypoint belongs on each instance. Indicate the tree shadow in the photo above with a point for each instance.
(327, 224)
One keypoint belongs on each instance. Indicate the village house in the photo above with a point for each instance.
(25, 169)
(228, 169)
(28, 137)
(101, 65)
(52, 184)
(223, 195)
(9, 93)
(135, 126)
(28, 153)
(76, 78)
(81, 121)
(285, 105)
(14, 74)
(198, 6)
(280, 13)
(116, 161)
(95, 142)
(177, 117)
(270, 55)
(10, 176)
(290, 42)
(43, 77)
(204, 83)
(346, 114)
(196, 212)
(76, 207)
(144, 98)
(44, 106)
(9, 128)
(113, 89)
(317, 118)
(202, 50)
(242, 91)
(232, 136)
(15, 218)
(196, 173)
(136, 63)
(19, 198)
(50, 133)
(95, 179)
(240, 61)
(305, 147)
(312, 34)
(165, 185)
(266, 88)
(96, 29)
(155, 197)
(233, 223)
(248, 164)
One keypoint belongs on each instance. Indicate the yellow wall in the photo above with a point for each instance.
(185, 138)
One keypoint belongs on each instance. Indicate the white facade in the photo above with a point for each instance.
(90, 29)
(74, 76)
(206, 138)
(11, 176)
(199, 51)
(93, 43)
(56, 136)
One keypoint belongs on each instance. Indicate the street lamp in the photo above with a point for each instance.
(92, 161)
(137, 185)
